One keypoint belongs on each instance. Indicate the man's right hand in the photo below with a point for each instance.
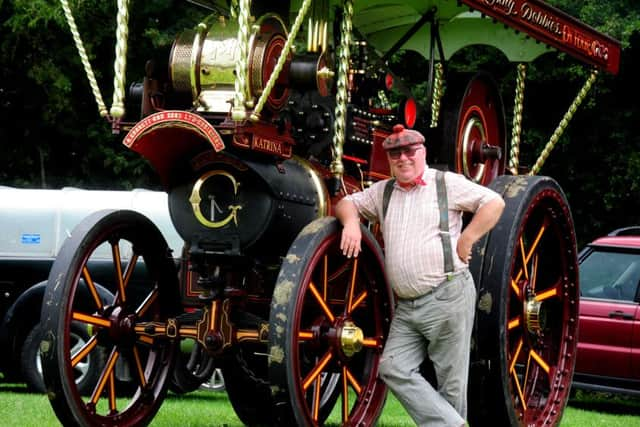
(348, 215)
(351, 238)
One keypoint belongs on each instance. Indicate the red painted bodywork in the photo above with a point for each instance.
(555, 28)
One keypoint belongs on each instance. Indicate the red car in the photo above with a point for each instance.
(609, 331)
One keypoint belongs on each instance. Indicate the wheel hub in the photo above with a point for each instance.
(474, 135)
(536, 315)
(351, 338)
(122, 325)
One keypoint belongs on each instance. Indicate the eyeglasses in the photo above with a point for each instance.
(408, 151)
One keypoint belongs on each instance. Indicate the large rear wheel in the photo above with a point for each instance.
(329, 318)
(524, 345)
(128, 249)
(474, 129)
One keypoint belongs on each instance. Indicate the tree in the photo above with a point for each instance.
(51, 132)
(45, 97)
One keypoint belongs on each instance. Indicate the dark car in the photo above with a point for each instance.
(608, 356)
(33, 226)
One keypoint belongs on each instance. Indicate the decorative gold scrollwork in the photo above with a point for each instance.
(196, 198)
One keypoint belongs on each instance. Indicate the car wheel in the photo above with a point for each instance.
(87, 372)
(30, 361)
(215, 382)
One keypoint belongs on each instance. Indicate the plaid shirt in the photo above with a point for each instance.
(413, 248)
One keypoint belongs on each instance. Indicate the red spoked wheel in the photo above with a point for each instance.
(127, 248)
(329, 318)
(527, 317)
(474, 139)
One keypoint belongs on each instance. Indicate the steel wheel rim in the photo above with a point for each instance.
(336, 348)
(539, 357)
(136, 411)
(328, 335)
(111, 327)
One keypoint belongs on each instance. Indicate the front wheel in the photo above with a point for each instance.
(329, 319)
(133, 261)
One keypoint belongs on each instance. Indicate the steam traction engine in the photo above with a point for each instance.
(256, 131)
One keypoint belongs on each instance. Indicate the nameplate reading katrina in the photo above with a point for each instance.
(271, 146)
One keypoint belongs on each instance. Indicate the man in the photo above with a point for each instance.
(436, 293)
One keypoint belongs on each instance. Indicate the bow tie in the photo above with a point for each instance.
(410, 184)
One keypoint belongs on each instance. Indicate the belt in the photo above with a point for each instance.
(448, 279)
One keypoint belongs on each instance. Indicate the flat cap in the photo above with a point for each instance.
(402, 137)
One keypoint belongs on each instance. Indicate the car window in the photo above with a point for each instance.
(610, 275)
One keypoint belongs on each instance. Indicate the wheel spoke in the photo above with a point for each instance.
(549, 293)
(534, 273)
(352, 380)
(325, 276)
(92, 287)
(321, 302)
(105, 376)
(359, 300)
(515, 356)
(524, 261)
(305, 335)
(516, 288)
(315, 406)
(83, 351)
(147, 303)
(514, 374)
(316, 371)
(345, 396)
(115, 252)
(129, 270)
(92, 320)
(112, 393)
(514, 323)
(139, 369)
(370, 342)
(352, 285)
(526, 257)
(536, 241)
(544, 365)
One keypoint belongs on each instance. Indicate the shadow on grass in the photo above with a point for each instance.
(15, 388)
(617, 404)
(200, 396)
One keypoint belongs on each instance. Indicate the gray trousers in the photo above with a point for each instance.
(437, 325)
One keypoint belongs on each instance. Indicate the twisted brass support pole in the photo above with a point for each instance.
(337, 168)
(120, 65)
(84, 58)
(238, 111)
(563, 123)
(438, 91)
(516, 130)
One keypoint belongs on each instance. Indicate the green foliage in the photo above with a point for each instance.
(51, 131)
(51, 134)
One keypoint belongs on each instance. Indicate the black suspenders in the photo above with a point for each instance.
(444, 216)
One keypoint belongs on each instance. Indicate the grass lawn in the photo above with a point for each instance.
(212, 409)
